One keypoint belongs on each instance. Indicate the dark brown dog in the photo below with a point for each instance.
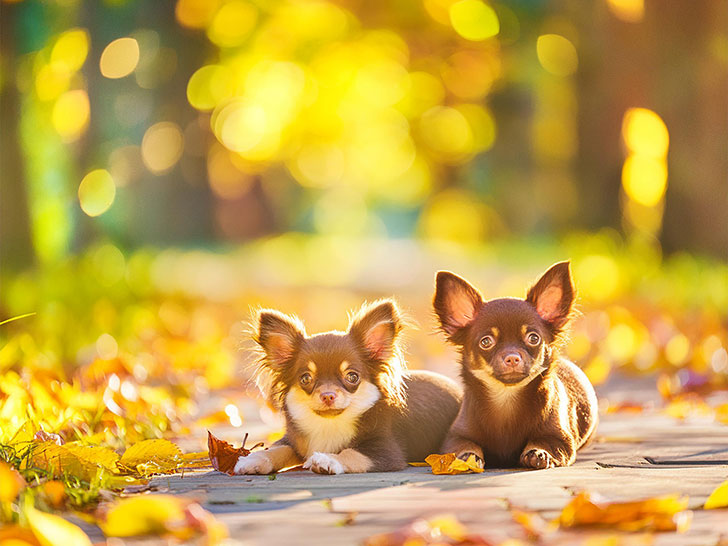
(523, 403)
(349, 404)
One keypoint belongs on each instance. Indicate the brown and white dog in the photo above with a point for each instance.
(523, 403)
(349, 404)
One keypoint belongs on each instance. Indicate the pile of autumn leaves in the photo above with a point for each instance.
(46, 473)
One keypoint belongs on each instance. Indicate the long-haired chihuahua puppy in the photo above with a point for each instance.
(523, 403)
(348, 402)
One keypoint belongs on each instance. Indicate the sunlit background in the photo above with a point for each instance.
(167, 166)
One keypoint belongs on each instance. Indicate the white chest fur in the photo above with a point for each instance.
(330, 434)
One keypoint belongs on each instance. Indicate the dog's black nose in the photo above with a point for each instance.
(512, 360)
(328, 397)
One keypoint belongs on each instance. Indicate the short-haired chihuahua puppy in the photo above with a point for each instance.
(348, 401)
(523, 403)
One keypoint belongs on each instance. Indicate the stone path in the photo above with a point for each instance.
(635, 455)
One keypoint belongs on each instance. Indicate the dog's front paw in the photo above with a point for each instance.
(465, 455)
(254, 463)
(537, 458)
(324, 463)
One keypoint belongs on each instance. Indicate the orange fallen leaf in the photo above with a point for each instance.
(533, 524)
(11, 483)
(223, 455)
(448, 463)
(54, 493)
(666, 513)
(718, 498)
(626, 407)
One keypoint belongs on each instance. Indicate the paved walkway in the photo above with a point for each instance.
(634, 456)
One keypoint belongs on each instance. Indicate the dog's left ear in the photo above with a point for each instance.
(553, 295)
(376, 327)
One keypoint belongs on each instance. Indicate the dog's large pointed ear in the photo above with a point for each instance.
(553, 295)
(279, 336)
(376, 327)
(456, 303)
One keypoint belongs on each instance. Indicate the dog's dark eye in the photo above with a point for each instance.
(533, 338)
(305, 379)
(486, 342)
(352, 377)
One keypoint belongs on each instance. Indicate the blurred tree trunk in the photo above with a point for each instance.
(674, 63)
(16, 248)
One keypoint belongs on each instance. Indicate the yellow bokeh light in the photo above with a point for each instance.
(454, 215)
(51, 81)
(162, 146)
(677, 349)
(482, 125)
(119, 58)
(645, 133)
(209, 86)
(557, 54)
(629, 11)
(240, 126)
(447, 132)
(621, 342)
(226, 179)
(319, 165)
(474, 20)
(599, 278)
(96, 192)
(70, 114)
(644, 179)
(232, 23)
(70, 50)
(196, 13)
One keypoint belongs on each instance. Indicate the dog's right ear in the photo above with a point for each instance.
(456, 303)
(279, 336)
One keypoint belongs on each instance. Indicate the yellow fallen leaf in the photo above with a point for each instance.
(83, 462)
(15, 535)
(161, 515)
(666, 513)
(418, 464)
(144, 515)
(448, 463)
(721, 414)
(51, 530)
(718, 498)
(11, 483)
(151, 457)
(200, 459)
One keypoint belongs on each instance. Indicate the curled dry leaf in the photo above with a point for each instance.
(666, 513)
(448, 463)
(718, 498)
(43, 436)
(223, 455)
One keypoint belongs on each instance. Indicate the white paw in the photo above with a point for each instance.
(324, 463)
(255, 463)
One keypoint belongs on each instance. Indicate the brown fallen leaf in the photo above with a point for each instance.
(666, 513)
(448, 463)
(223, 455)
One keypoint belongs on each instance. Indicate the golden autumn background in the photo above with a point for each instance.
(169, 166)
